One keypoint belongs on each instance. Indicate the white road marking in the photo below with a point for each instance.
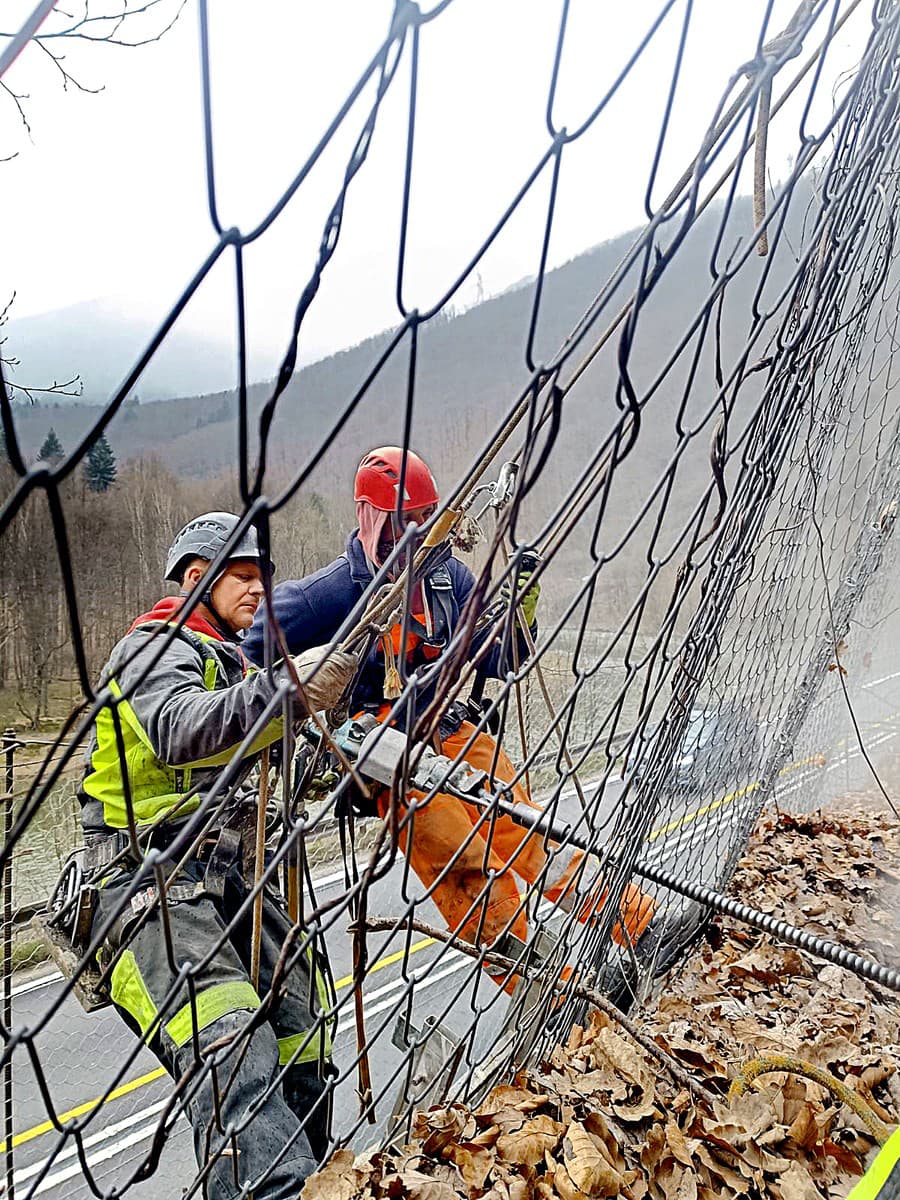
(136, 1136)
(69, 1172)
(669, 846)
(883, 679)
(422, 981)
(60, 1177)
(35, 985)
(327, 880)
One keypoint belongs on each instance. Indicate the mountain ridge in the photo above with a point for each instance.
(469, 369)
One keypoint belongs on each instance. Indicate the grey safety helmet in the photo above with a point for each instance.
(204, 537)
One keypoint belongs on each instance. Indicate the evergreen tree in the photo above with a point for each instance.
(100, 465)
(51, 452)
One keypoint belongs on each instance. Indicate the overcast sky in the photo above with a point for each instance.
(107, 197)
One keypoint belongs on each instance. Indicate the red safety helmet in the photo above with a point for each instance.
(378, 476)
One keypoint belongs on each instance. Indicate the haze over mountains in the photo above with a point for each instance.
(469, 369)
(100, 339)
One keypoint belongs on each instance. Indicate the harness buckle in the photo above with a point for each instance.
(224, 852)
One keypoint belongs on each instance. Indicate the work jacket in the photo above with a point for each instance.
(181, 718)
(311, 610)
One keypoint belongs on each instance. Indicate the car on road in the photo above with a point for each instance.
(719, 748)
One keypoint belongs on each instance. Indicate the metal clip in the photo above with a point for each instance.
(433, 1063)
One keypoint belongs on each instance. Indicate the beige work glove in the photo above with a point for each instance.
(325, 686)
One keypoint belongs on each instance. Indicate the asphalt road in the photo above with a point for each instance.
(82, 1054)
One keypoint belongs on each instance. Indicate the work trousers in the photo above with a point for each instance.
(453, 864)
(271, 1143)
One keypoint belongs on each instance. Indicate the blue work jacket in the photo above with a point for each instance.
(311, 610)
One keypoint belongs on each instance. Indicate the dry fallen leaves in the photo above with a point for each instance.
(598, 1119)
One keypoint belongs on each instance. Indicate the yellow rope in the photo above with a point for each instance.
(798, 1066)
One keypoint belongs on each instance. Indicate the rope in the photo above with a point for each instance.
(799, 1066)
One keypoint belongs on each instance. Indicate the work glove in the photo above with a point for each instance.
(529, 602)
(325, 686)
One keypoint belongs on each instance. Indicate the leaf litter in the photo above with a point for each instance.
(598, 1117)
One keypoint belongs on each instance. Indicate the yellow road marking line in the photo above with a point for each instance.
(817, 760)
(686, 818)
(386, 961)
(152, 1076)
(115, 1094)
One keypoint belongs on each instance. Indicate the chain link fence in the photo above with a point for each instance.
(708, 479)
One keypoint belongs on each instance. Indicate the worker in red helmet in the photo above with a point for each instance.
(391, 490)
(375, 491)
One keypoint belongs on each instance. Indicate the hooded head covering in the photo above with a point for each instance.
(371, 522)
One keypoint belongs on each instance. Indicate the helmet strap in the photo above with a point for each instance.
(229, 634)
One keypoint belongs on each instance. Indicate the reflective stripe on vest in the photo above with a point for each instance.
(883, 1176)
(155, 787)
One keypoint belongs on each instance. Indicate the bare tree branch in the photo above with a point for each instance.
(17, 98)
(4, 312)
(67, 77)
(73, 387)
(86, 26)
(116, 20)
(111, 40)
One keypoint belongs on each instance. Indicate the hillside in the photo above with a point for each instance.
(470, 368)
(469, 371)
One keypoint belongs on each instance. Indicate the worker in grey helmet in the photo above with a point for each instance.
(182, 703)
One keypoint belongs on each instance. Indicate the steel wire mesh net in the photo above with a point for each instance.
(707, 468)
